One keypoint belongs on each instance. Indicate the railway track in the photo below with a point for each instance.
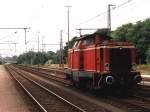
(47, 100)
(60, 77)
(132, 104)
(146, 79)
(59, 72)
(54, 70)
(86, 105)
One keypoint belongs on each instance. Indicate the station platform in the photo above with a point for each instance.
(11, 99)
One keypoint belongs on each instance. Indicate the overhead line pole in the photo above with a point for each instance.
(109, 18)
(68, 7)
(61, 50)
(38, 50)
(118, 6)
(25, 29)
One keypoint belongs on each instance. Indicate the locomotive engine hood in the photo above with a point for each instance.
(120, 59)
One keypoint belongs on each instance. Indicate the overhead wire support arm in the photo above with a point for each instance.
(22, 28)
(25, 29)
(9, 43)
(15, 28)
(80, 29)
(50, 44)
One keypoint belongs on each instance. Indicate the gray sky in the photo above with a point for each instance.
(50, 16)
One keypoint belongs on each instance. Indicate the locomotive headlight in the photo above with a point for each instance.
(134, 67)
(137, 78)
(107, 67)
(110, 80)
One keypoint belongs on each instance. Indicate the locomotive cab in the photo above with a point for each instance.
(95, 61)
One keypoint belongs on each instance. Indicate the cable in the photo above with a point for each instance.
(8, 35)
(123, 4)
(120, 5)
(93, 18)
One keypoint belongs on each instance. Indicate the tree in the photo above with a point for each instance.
(65, 51)
(139, 34)
(148, 55)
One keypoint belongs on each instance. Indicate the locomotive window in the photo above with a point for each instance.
(84, 42)
(88, 41)
(76, 43)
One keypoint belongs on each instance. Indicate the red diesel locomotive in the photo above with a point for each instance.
(95, 61)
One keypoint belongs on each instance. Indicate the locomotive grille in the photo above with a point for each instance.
(120, 60)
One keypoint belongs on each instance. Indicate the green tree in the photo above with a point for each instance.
(139, 34)
(65, 51)
(148, 55)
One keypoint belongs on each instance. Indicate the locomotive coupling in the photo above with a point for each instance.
(110, 80)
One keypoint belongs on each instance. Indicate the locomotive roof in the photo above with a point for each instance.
(103, 33)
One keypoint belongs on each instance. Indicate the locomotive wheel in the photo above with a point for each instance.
(67, 76)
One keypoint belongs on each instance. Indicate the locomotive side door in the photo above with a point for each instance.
(101, 59)
(97, 54)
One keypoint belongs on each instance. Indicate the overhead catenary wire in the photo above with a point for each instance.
(8, 35)
(113, 8)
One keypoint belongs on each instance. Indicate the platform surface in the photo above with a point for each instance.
(10, 98)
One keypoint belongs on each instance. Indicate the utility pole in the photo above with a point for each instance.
(25, 32)
(61, 64)
(15, 47)
(68, 7)
(109, 18)
(25, 29)
(43, 46)
(38, 50)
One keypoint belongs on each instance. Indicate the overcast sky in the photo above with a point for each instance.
(48, 17)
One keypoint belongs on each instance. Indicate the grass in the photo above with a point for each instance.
(144, 69)
(54, 66)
